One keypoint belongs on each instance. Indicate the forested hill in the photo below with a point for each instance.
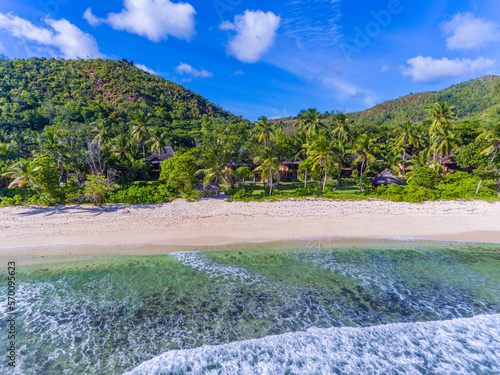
(471, 99)
(37, 92)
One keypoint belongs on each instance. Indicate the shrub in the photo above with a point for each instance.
(96, 188)
(425, 177)
(180, 173)
(144, 193)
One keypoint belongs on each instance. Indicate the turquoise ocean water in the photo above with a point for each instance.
(308, 307)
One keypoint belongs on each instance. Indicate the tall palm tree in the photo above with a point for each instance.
(341, 157)
(492, 146)
(341, 126)
(322, 151)
(300, 150)
(23, 175)
(158, 140)
(140, 132)
(264, 129)
(407, 137)
(310, 121)
(269, 166)
(444, 141)
(441, 114)
(364, 149)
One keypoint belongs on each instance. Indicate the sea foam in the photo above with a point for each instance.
(459, 346)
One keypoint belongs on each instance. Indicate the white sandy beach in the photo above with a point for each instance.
(212, 221)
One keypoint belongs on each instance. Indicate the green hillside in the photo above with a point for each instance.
(471, 99)
(38, 92)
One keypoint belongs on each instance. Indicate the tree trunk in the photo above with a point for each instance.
(305, 181)
(61, 169)
(478, 187)
(40, 194)
(324, 181)
(339, 176)
(361, 179)
(271, 181)
(404, 161)
(3, 200)
(144, 150)
(278, 178)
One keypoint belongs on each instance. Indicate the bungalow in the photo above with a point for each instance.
(155, 160)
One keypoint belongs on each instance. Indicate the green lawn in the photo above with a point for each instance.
(348, 190)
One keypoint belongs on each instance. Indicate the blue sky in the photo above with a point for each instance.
(271, 58)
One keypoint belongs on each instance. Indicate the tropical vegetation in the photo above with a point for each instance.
(75, 131)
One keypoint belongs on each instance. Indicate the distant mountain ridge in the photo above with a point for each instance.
(35, 91)
(471, 99)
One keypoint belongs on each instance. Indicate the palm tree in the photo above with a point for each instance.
(23, 175)
(407, 137)
(264, 129)
(300, 150)
(322, 151)
(391, 159)
(50, 144)
(443, 141)
(310, 121)
(441, 114)
(23, 142)
(341, 126)
(341, 157)
(420, 159)
(140, 131)
(364, 148)
(122, 148)
(158, 140)
(492, 139)
(215, 164)
(269, 166)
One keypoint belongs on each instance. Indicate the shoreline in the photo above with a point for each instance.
(215, 222)
(27, 256)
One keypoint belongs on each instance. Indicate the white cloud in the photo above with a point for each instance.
(427, 69)
(91, 19)
(146, 69)
(385, 68)
(189, 70)
(255, 34)
(238, 73)
(466, 32)
(153, 19)
(62, 35)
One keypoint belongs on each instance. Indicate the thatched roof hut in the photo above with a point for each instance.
(386, 178)
(166, 153)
